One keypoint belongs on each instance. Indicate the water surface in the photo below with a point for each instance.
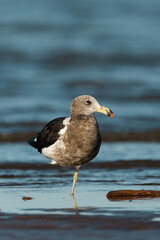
(24, 172)
(51, 52)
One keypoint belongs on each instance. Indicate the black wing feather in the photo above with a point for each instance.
(49, 133)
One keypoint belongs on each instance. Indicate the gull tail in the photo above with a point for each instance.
(33, 142)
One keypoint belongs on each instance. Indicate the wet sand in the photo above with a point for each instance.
(147, 136)
(130, 225)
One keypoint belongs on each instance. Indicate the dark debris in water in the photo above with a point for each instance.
(132, 194)
(26, 198)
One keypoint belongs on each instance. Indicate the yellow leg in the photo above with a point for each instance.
(75, 178)
(74, 202)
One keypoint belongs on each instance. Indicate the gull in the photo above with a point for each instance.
(75, 140)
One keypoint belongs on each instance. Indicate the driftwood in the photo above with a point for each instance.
(132, 194)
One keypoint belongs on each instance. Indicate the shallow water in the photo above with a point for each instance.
(53, 212)
(24, 172)
(90, 203)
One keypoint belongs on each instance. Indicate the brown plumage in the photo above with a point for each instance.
(75, 140)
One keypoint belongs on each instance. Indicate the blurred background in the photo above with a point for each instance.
(52, 51)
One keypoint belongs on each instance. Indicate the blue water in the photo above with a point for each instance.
(112, 152)
(50, 52)
(53, 51)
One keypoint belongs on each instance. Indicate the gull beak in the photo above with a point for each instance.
(105, 111)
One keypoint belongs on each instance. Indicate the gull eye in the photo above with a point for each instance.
(88, 102)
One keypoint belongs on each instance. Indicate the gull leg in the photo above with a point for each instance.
(75, 178)
(74, 202)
